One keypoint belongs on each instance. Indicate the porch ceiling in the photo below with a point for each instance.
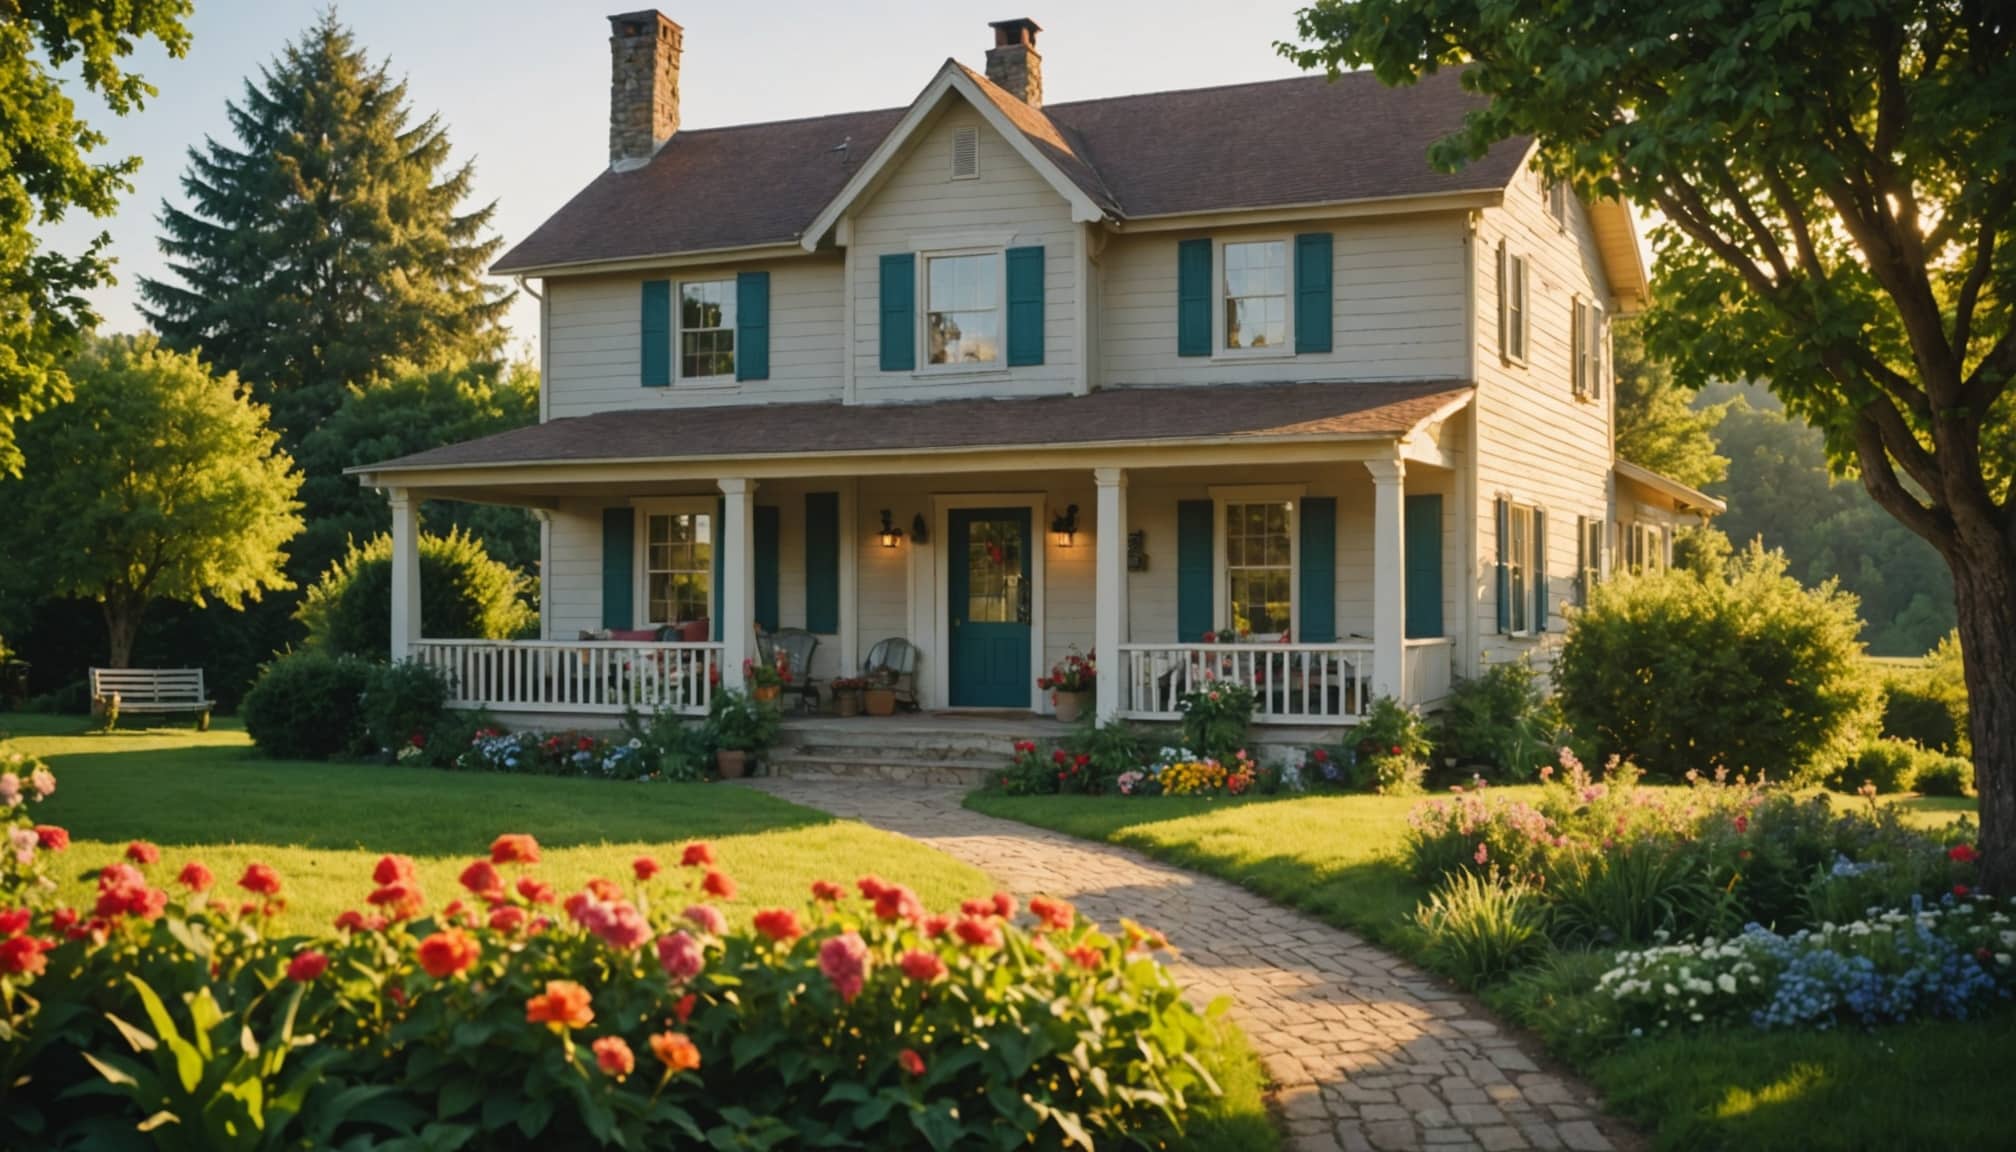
(1136, 418)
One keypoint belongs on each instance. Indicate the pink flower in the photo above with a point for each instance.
(619, 924)
(680, 956)
(43, 781)
(613, 1056)
(844, 960)
(1482, 855)
(707, 918)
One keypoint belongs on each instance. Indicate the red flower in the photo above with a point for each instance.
(1395, 750)
(1963, 854)
(921, 966)
(1081, 760)
(645, 867)
(350, 920)
(1087, 957)
(718, 885)
(978, 906)
(613, 1056)
(306, 966)
(682, 1009)
(827, 892)
(514, 848)
(507, 919)
(895, 902)
(1059, 757)
(977, 933)
(1055, 914)
(482, 879)
(22, 956)
(141, 852)
(698, 854)
(261, 879)
(195, 877)
(1319, 755)
(1004, 905)
(675, 1051)
(400, 901)
(14, 921)
(935, 926)
(1962, 891)
(392, 870)
(62, 919)
(564, 1004)
(1742, 825)
(535, 892)
(445, 954)
(779, 924)
(51, 837)
(911, 1061)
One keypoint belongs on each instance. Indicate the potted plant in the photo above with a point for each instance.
(1070, 681)
(766, 681)
(880, 696)
(847, 695)
(740, 727)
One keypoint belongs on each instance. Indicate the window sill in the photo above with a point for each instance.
(960, 371)
(704, 384)
(1253, 356)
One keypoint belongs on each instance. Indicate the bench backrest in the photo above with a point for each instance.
(148, 684)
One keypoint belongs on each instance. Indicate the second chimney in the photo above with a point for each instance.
(1013, 63)
(643, 86)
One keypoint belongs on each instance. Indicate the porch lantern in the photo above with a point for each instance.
(1065, 527)
(891, 535)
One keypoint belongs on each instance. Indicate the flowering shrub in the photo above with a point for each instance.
(25, 782)
(1074, 673)
(771, 674)
(560, 754)
(1396, 774)
(613, 1019)
(1216, 717)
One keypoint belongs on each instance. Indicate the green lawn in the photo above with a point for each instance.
(208, 796)
(1933, 1085)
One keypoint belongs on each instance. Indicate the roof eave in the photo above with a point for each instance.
(1411, 202)
(1681, 494)
(772, 250)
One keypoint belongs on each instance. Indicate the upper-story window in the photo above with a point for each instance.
(1513, 324)
(707, 329)
(1557, 202)
(962, 309)
(1589, 339)
(1254, 286)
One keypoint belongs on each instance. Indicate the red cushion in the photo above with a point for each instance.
(695, 631)
(633, 634)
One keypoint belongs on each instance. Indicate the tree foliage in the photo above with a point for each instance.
(47, 169)
(156, 481)
(464, 595)
(1657, 427)
(328, 242)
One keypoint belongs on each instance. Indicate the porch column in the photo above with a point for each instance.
(1389, 576)
(1109, 586)
(405, 571)
(738, 573)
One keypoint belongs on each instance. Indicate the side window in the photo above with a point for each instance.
(1587, 326)
(1253, 283)
(1513, 323)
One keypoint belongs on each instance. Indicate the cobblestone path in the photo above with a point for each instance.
(1366, 1051)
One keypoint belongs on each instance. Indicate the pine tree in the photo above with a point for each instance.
(327, 242)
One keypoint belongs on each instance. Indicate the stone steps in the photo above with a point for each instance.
(896, 768)
(894, 749)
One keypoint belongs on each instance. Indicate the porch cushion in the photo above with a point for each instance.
(636, 635)
(694, 631)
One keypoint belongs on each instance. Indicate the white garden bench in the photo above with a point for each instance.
(162, 690)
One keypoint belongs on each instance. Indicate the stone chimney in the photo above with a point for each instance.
(643, 86)
(1013, 62)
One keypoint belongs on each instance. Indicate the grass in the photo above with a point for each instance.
(208, 796)
(1933, 1085)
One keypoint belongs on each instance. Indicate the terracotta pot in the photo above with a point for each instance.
(733, 763)
(1068, 705)
(767, 692)
(847, 703)
(881, 701)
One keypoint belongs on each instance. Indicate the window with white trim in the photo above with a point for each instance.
(1587, 350)
(1557, 202)
(1513, 325)
(1253, 288)
(706, 329)
(1589, 549)
(678, 567)
(1522, 566)
(1643, 547)
(1260, 566)
(962, 308)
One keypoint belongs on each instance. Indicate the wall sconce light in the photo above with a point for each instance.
(891, 535)
(918, 534)
(1065, 527)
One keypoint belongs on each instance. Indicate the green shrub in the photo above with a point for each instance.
(1479, 927)
(1111, 749)
(1216, 718)
(683, 748)
(1679, 672)
(1945, 776)
(1396, 775)
(402, 705)
(1500, 718)
(1628, 893)
(1391, 728)
(1928, 704)
(1891, 766)
(452, 734)
(736, 720)
(308, 706)
(464, 595)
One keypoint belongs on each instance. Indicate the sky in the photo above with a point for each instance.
(523, 85)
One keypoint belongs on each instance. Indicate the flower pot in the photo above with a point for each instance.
(881, 701)
(767, 693)
(733, 763)
(848, 703)
(1068, 705)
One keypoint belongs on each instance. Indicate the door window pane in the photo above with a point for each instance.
(993, 571)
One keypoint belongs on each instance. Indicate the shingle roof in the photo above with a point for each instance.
(1299, 141)
(1342, 410)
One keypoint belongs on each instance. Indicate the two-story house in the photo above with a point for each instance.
(1006, 379)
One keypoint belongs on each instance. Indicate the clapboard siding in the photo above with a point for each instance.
(594, 340)
(574, 580)
(918, 207)
(1397, 306)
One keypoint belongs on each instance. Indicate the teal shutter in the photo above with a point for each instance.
(822, 562)
(1424, 565)
(1504, 515)
(766, 567)
(1025, 305)
(655, 332)
(1312, 292)
(752, 326)
(1318, 610)
(1194, 570)
(720, 546)
(1193, 297)
(899, 312)
(619, 561)
(1539, 569)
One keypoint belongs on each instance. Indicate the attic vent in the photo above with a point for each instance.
(965, 153)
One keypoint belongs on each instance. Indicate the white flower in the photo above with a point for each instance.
(1727, 983)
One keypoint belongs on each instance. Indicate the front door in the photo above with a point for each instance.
(989, 605)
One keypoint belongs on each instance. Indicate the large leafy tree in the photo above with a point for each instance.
(157, 481)
(328, 241)
(1656, 426)
(1837, 181)
(47, 169)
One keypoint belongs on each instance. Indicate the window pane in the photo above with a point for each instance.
(961, 323)
(678, 568)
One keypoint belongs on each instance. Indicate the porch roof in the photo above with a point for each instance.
(1173, 415)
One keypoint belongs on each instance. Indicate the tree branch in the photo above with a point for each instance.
(1880, 480)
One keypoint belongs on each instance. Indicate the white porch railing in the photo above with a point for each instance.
(1427, 666)
(1294, 683)
(606, 676)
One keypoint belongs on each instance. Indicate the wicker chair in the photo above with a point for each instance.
(797, 645)
(894, 662)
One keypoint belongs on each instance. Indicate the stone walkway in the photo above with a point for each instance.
(1366, 1051)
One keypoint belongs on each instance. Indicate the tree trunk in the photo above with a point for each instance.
(122, 624)
(1984, 583)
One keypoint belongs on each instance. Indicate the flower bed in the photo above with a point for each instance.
(626, 1014)
(559, 754)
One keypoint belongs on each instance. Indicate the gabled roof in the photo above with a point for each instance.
(1276, 144)
(1683, 496)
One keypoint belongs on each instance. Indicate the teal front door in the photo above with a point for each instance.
(989, 604)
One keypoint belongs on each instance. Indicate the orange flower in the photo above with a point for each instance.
(563, 1005)
(1087, 957)
(779, 924)
(604, 889)
(698, 854)
(717, 884)
(446, 953)
(613, 1056)
(1055, 914)
(675, 1051)
(911, 1061)
(514, 848)
(534, 891)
